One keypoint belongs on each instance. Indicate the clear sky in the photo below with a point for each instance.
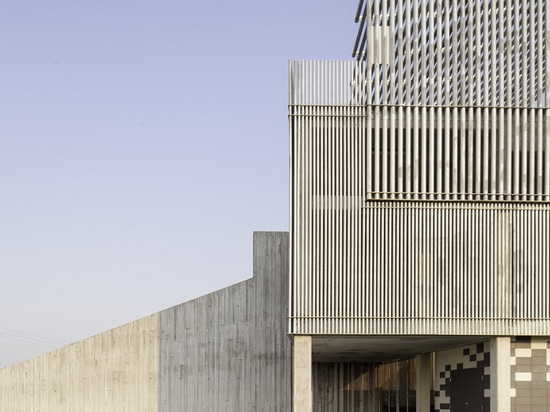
(141, 144)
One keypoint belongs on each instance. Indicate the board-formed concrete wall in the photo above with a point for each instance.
(225, 351)
(116, 371)
(228, 351)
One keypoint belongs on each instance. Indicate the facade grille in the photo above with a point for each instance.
(414, 152)
(452, 53)
(415, 219)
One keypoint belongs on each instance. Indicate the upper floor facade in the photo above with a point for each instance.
(420, 174)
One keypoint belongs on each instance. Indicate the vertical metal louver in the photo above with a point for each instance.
(421, 174)
(452, 53)
(416, 152)
(431, 227)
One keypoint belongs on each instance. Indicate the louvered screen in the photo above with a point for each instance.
(452, 53)
(415, 219)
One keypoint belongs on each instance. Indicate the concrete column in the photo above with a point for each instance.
(500, 374)
(302, 393)
(423, 382)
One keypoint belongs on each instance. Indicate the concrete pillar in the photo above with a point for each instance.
(500, 374)
(302, 393)
(423, 382)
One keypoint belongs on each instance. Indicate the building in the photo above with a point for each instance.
(420, 229)
(416, 275)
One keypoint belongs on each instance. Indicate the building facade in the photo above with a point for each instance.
(420, 220)
(416, 275)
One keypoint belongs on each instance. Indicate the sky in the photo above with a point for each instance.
(141, 145)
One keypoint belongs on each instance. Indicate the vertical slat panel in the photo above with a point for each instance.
(345, 257)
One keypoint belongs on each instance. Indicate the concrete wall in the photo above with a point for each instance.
(115, 371)
(228, 351)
